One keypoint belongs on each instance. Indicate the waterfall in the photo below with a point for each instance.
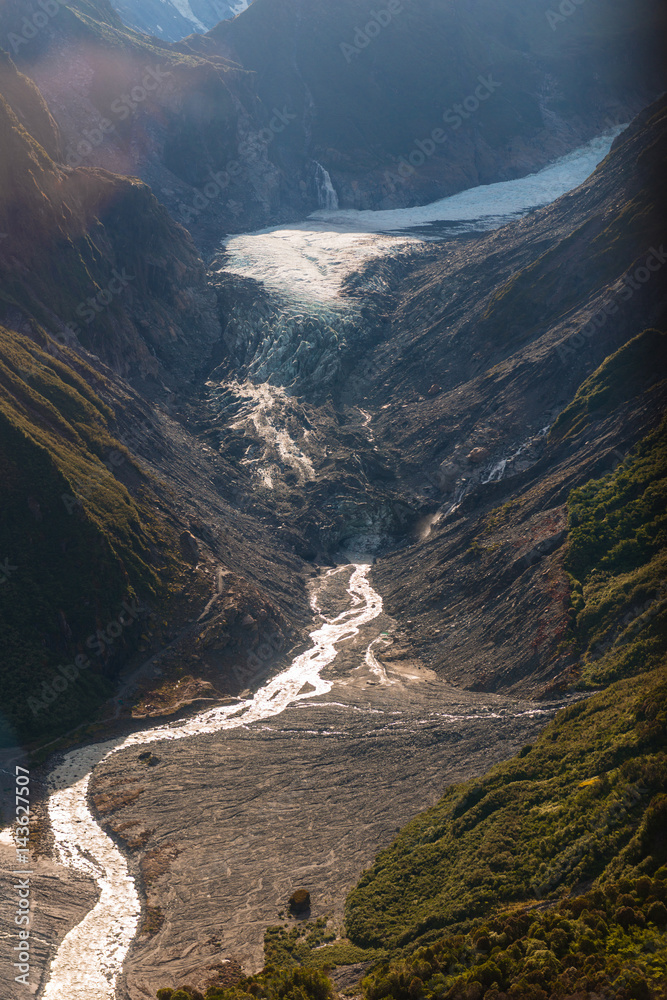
(326, 192)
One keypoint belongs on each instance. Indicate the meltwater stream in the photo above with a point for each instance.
(308, 263)
(89, 959)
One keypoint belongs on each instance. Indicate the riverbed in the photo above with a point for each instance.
(300, 784)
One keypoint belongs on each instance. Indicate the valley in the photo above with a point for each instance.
(373, 458)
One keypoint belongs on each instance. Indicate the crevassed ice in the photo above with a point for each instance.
(262, 411)
(310, 261)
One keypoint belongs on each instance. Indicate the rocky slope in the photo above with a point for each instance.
(99, 503)
(191, 127)
(492, 341)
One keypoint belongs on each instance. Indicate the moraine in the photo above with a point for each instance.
(337, 698)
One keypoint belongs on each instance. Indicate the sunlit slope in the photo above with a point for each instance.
(92, 256)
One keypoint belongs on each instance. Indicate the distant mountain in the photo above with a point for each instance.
(174, 19)
(289, 84)
(406, 101)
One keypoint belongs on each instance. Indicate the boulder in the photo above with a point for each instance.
(478, 455)
(299, 901)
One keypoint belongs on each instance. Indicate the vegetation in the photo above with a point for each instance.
(617, 560)
(293, 984)
(74, 540)
(622, 376)
(584, 801)
(312, 944)
(608, 942)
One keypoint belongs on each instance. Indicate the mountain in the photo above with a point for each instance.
(184, 450)
(174, 19)
(501, 86)
(102, 293)
(252, 121)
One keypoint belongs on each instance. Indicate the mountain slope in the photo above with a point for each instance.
(369, 90)
(174, 19)
(505, 332)
(98, 259)
(107, 550)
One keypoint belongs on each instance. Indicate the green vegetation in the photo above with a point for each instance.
(621, 377)
(609, 942)
(617, 560)
(295, 984)
(546, 877)
(75, 540)
(584, 801)
(312, 945)
(285, 947)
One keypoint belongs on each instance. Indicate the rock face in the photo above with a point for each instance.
(102, 265)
